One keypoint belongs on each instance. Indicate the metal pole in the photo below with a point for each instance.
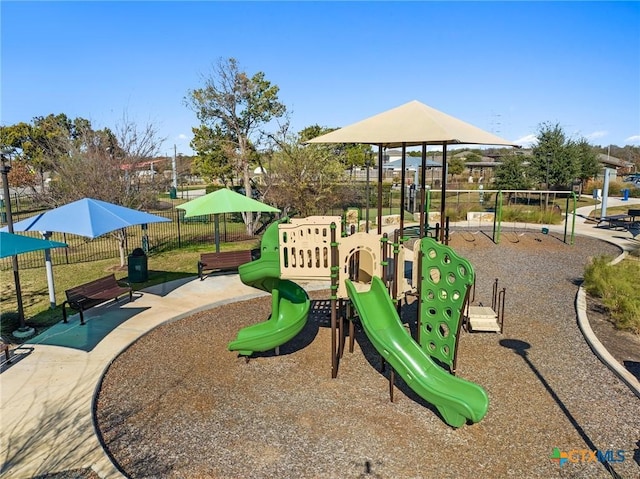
(403, 179)
(216, 233)
(174, 171)
(605, 193)
(547, 181)
(573, 221)
(495, 219)
(368, 192)
(379, 189)
(49, 270)
(14, 259)
(427, 207)
(566, 220)
(419, 290)
(499, 215)
(423, 179)
(443, 190)
(334, 297)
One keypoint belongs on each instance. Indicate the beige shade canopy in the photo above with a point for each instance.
(411, 124)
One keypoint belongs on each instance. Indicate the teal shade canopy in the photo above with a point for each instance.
(12, 244)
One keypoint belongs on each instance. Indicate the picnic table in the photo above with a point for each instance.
(621, 220)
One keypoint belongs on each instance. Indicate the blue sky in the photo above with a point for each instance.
(505, 67)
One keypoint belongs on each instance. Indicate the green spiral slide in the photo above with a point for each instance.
(456, 399)
(289, 304)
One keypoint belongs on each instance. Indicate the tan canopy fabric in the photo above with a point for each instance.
(413, 124)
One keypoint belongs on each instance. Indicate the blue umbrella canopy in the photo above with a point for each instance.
(12, 244)
(87, 217)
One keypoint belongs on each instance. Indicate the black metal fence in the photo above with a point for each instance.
(177, 233)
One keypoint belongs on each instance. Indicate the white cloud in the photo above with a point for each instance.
(597, 134)
(526, 141)
(182, 136)
(632, 140)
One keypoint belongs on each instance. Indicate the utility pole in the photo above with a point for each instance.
(174, 172)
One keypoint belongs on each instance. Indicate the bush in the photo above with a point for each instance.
(615, 188)
(615, 285)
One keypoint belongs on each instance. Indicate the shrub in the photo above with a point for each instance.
(615, 285)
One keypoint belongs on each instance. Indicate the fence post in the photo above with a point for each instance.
(177, 214)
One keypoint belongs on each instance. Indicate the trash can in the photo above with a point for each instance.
(138, 272)
(625, 194)
(173, 193)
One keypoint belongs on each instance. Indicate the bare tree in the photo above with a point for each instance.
(107, 166)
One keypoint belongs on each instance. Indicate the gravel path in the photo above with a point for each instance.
(177, 404)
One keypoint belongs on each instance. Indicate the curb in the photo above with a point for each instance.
(598, 348)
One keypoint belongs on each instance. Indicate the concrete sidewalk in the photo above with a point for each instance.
(46, 394)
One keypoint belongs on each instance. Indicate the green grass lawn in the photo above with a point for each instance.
(162, 267)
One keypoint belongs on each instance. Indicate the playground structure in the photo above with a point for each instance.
(369, 270)
(485, 318)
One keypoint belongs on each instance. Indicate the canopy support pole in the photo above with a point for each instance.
(443, 190)
(14, 259)
(216, 228)
(403, 180)
(379, 189)
(423, 180)
(49, 269)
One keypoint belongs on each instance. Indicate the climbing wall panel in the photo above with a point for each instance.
(446, 277)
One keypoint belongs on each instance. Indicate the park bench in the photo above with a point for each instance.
(224, 260)
(93, 293)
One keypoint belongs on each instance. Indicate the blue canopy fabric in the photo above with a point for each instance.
(87, 217)
(12, 244)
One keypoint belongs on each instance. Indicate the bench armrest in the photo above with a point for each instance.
(123, 283)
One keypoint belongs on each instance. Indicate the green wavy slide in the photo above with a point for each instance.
(457, 400)
(289, 302)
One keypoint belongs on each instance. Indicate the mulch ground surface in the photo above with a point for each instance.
(178, 404)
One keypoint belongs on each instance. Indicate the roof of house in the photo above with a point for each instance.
(412, 163)
(609, 160)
